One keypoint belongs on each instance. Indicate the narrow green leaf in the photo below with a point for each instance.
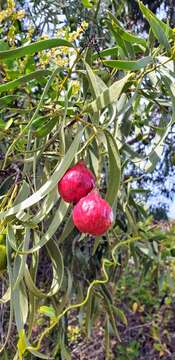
(5, 297)
(23, 193)
(88, 316)
(155, 155)
(158, 145)
(95, 82)
(125, 35)
(46, 206)
(96, 244)
(132, 225)
(107, 52)
(67, 295)
(58, 272)
(130, 64)
(56, 221)
(134, 156)
(33, 48)
(87, 4)
(39, 355)
(20, 261)
(3, 45)
(46, 128)
(51, 183)
(114, 169)
(5, 100)
(108, 96)
(20, 301)
(69, 226)
(57, 264)
(161, 30)
(110, 312)
(48, 311)
(38, 74)
(120, 314)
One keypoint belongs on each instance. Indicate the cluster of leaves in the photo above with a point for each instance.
(58, 107)
(48, 18)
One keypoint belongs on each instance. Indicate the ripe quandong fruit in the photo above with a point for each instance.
(92, 214)
(76, 183)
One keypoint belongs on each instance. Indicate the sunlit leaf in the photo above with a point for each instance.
(33, 48)
(129, 65)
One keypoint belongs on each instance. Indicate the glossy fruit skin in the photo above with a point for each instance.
(93, 215)
(76, 183)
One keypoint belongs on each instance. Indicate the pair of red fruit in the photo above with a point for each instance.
(91, 214)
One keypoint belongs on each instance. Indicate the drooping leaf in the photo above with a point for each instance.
(51, 183)
(161, 30)
(20, 261)
(56, 221)
(125, 35)
(95, 82)
(108, 96)
(114, 169)
(155, 154)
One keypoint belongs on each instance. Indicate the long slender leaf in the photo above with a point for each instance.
(161, 30)
(114, 169)
(108, 96)
(107, 52)
(125, 35)
(130, 64)
(7, 297)
(38, 74)
(33, 48)
(96, 89)
(57, 220)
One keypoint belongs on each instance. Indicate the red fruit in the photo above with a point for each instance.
(76, 183)
(92, 215)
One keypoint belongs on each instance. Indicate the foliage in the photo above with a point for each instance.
(50, 18)
(61, 102)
